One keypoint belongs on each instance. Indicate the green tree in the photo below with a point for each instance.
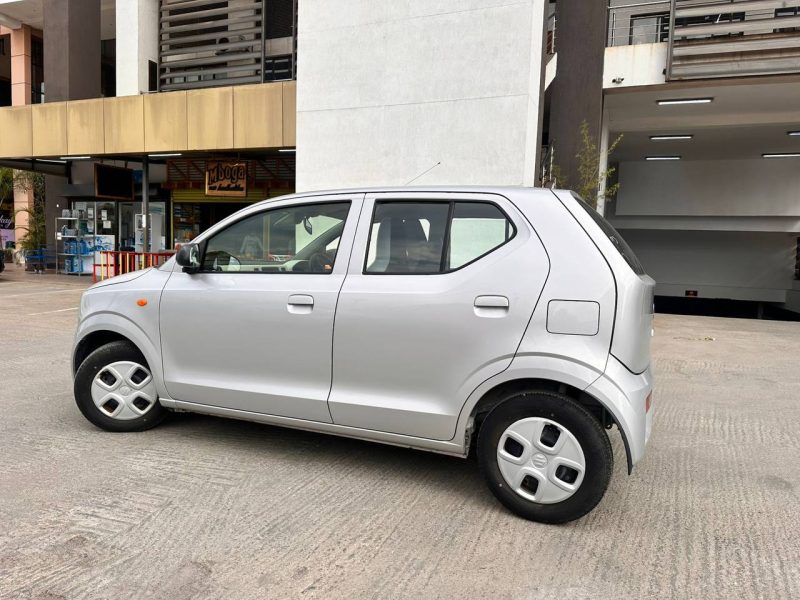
(590, 177)
(35, 236)
(6, 187)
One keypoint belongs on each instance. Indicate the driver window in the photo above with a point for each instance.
(292, 239)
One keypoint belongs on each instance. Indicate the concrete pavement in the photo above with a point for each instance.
(202, 507)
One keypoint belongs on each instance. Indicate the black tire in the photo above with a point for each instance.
(574, 417)
(97, 360)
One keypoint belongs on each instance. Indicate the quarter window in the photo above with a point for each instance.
(477, 229)
(291, 239)
(422, 238)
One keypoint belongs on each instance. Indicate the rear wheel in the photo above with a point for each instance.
(545, 457)
(114, 389)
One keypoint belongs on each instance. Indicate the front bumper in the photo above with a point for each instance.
(625, 394)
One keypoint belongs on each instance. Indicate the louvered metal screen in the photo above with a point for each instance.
(735, 38)
(211, 43)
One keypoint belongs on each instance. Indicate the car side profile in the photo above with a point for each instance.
(512, 322)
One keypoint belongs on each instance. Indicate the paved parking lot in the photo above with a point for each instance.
(210, 508)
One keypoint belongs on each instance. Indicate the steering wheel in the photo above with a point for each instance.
(320, 262)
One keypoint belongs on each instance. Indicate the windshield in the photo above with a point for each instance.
(612, 234)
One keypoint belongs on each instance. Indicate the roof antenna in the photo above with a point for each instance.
(423, 173)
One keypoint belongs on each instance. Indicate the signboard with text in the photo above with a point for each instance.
(226, 178)
(6, 227)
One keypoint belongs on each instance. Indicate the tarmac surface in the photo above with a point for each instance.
(204, 507)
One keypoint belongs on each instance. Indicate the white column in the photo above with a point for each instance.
(601, 186)
(387, 89)
(536, 87)
(137, 44)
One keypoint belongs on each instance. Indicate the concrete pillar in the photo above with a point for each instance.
(21, 80)
(137, 44)
(533, 139)
(21, 66)
(71, 49)
(440, 97)
(577, 91)
(71, 72)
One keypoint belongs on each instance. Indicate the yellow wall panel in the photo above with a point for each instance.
(85, 127)
(165, 122)
(49, 129)
(124, 124)
(16, 139)
(258, 116)
(243, 118)
(290, 114)
(210, 118)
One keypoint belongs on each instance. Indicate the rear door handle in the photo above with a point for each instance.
(301, 300)
(300, 303)
(491, 302)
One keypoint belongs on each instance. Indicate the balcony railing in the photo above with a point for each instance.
(708, 39)
(210, 43)
(737, 38)
(644, 22)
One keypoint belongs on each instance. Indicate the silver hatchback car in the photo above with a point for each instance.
(512, 321)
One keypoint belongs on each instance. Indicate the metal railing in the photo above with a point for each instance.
(713, 38)
(111, 263)
(733, 39)
(644, 22)
(551, 34)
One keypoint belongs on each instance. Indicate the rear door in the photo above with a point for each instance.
(439, 290)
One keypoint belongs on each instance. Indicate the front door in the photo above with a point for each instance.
(438, 294)
(253, 329)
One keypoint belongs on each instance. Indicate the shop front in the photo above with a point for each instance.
(207, 190)
(7, 237)
(107, 217)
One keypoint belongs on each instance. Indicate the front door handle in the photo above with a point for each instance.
(300, 304)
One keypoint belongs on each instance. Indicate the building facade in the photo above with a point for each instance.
(308, 94)
(707, 98)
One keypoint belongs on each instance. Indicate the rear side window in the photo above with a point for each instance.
(424, 238)
(613, 235)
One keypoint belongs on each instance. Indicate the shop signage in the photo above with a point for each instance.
(226, 178)
(113, 183)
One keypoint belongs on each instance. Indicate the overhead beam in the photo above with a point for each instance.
(37, 166)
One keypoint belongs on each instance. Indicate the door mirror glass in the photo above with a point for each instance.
(189, 258)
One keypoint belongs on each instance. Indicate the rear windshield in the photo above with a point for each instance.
(619, 243)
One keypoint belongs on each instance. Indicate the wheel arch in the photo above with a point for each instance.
(102, 328)
(91, 342)
(561, 376)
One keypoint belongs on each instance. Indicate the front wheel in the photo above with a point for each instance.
(545, 457)
(114, 389)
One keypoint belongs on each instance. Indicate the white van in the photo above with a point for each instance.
(512, 321)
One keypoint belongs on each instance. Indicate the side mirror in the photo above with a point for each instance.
(189, 258)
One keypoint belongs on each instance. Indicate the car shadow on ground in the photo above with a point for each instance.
(252, 441)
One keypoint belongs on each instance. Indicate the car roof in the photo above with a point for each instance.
(471, 189)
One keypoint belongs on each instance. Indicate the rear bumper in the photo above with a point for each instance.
(625, 394)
